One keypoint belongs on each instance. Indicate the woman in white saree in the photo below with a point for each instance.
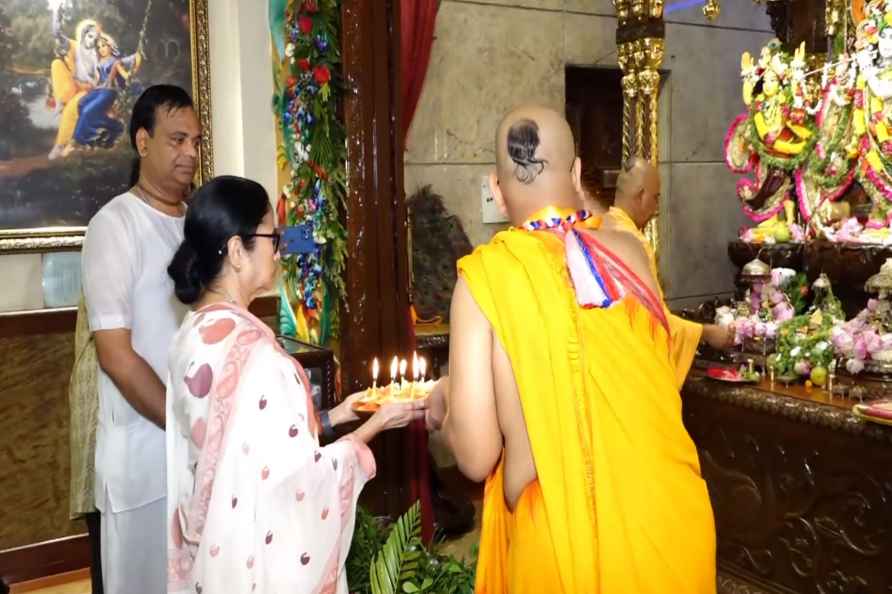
(255, 504)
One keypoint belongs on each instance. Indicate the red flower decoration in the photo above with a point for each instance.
(292, 81)
(280, 210)
(304, 64)
(310, 6)
(321, 74)
(305, 24)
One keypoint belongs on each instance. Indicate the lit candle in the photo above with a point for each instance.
(403, 365)
(415, 366)
(422, 366)
(394, 366)
(375, 370)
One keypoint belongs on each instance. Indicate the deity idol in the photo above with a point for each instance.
(873, 107)
(772, 138)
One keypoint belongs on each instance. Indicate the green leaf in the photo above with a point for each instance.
(386, 568)
(410, 587)
(427, 583)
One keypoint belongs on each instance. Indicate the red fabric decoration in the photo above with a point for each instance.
(417, 18)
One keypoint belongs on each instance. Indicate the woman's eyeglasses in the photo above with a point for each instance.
(276, 237)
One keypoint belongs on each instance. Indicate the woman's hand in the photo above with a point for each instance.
(343, 412)
(392, 415)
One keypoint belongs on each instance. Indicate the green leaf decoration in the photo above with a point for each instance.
(419, 569)
(387, 569)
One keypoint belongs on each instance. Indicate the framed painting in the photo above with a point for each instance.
(70, 72)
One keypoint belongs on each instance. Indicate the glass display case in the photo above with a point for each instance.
(320, 367)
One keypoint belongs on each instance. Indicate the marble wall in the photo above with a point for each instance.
(489, 55)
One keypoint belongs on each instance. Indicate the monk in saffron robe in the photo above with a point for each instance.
(636, 201)
(562, 394)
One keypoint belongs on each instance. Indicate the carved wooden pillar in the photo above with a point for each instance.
(376, 319)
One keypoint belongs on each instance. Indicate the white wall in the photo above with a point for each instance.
(242, 120)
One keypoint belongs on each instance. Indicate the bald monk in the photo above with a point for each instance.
(562, 395)
(636, 201)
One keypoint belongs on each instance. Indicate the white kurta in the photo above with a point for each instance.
(127, 249)
(254, 503)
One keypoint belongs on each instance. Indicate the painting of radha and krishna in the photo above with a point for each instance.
(70, 71)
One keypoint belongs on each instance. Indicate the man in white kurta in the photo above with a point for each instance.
(134, 315)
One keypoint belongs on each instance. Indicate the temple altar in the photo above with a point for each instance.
(800, 487)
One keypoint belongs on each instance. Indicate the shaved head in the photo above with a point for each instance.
(638, 190)
(536, 164)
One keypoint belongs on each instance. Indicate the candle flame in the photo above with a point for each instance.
(403, 365)
(415, 366)
(394, 365)
(375, 369)
(422, 367)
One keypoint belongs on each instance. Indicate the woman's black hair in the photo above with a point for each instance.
(145, 110)
(224, 207)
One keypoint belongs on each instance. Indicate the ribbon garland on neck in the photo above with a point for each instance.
(599, 278)
(555, 220)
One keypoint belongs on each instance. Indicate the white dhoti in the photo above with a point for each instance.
(134, 550)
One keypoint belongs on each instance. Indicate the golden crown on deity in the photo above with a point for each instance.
(771, 59)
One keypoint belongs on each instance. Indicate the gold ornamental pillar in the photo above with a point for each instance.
(629, 83)
(626, 60)
(649, 90)
(639, 38)
(640, 44)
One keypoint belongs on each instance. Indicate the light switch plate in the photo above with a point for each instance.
(489, 209)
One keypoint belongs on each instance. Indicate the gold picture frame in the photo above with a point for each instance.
(60, 238)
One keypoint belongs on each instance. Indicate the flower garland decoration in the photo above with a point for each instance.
(312, 155)
(804, 346)
(765, 307)
(804, 343)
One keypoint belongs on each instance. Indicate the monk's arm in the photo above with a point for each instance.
(471, 425)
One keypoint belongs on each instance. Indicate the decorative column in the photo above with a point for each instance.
(649, 88)
(639, 37)
(630, 98)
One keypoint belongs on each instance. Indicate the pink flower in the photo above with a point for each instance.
(873, 304)
(873, 342)
(802, 367)
(777, 297)
(759, 329)
(860, 349)
(770, 330)
(842, 341)
(783, 312)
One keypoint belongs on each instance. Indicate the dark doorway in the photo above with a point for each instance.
(594, 107)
